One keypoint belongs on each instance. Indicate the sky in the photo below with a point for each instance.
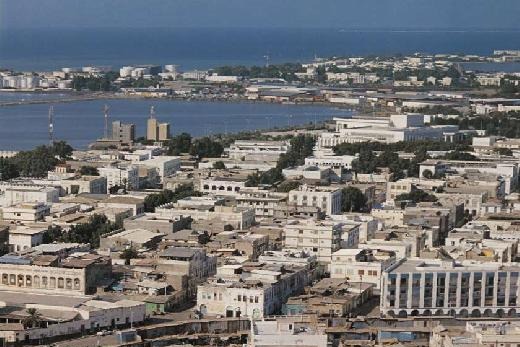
(370, 14)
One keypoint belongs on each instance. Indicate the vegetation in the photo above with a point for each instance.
(219, 165)
(301, 147)
(496, 123)
(129, 254)
(353, 200)
(285, 71)
(35, 163)
(404, 146)
(287, 186)
(416, 196)
(89, 232)
(33, 318)
(205, 147)
(89, 171)
(369, 162)
(167, 196)
(458, 155)
(179, 144)
(103, 83)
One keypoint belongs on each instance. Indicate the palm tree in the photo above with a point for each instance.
(33, 319)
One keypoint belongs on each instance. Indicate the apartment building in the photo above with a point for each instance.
(328, 199)
(320, 238)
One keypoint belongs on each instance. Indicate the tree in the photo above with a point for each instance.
(179, 144)
(33, 318)
(353, 200)
(427, 174)
(458, 155)
(129, 253)
(301, 147)
(167, 196)
(206, 148)
(287, 186)
(219, 165)
(89, 171)
(416, 196)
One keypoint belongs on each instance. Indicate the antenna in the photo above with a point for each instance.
(267, 58)
(152, 112)
(105, 110)
(51, 125)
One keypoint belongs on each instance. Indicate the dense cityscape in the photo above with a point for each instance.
(394, 220)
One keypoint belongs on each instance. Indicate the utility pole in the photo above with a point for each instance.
(105, 110)
(51, 125)
(267, 58)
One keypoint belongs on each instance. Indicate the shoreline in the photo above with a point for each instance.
(115, 96)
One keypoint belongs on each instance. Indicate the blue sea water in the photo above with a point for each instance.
(47, 49)
(80, 123)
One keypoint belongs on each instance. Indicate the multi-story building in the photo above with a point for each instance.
(222, 185)
(156, 131)
(121, 176)
(415, 287)
(361, 265)
(124, 133)
(402, 127)
(326, 198)
(263, 201)
(254, 291)
(12, 193)
(268, 151)
(320, 238)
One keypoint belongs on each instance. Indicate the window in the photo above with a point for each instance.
(361, 272)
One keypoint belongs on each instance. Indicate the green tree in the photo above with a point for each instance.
(179, 144)
(219, 165)
(353, 200)
(89, 171)
(416, 196)
(427, 174)
(33, 318)
(206, 148)
(287, 186)
(128, 254)
(167, 196)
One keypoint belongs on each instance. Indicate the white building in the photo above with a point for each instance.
(434, 287)
(22, 237)
(320, 238)
(123, 177)
(257, 150)
(401, 127)
(327, 199)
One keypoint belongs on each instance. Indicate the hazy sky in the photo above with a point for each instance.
(413, 14)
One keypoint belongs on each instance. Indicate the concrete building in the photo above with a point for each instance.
(328, 199)
(124, 133)
(254, 290)
(402, 127)
(25, 212)
(12, 193)
(121, 176)
(433, 287)
(289, 332)
(222, 185)
(22, 237)
(85, 184)
(156, 131)
(256, 150)
(320, 238)
(361, 265)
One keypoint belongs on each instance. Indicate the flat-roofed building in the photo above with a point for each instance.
(415, 287)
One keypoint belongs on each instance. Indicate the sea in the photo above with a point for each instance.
(25, 126)
(79, 123)
(202, 48)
